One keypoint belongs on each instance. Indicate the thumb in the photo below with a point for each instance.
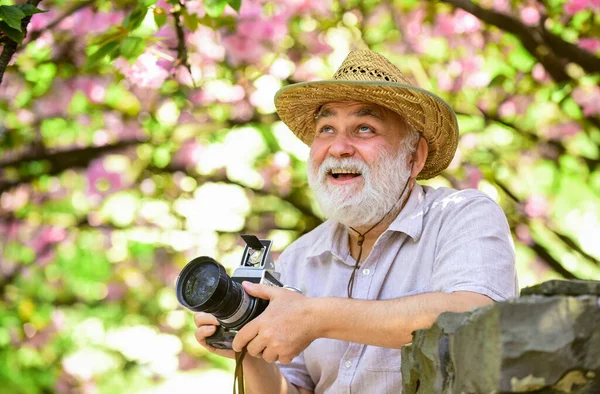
(261, 291)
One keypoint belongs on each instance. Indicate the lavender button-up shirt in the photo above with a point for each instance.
(444, 240)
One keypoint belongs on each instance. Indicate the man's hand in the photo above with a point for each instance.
(282, 331)
(207, 324)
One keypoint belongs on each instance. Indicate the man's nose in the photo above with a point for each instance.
(341, 146)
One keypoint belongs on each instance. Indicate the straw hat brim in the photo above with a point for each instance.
(297, 105)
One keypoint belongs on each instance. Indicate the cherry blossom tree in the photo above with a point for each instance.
(136, 135)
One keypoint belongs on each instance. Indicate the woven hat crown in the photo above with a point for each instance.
(365, 65)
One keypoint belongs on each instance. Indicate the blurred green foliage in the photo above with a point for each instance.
(135, 136)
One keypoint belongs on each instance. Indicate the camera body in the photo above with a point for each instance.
(256, 266)
(204, 286)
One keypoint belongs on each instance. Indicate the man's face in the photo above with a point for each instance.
(358, 163)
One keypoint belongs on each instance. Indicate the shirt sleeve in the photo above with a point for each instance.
(295, 372)
(474, 250)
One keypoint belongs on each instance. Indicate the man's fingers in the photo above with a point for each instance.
(269, 356)
(203, 319)
(203, 332)
(245, 335)
(261, 291)
(255, 347)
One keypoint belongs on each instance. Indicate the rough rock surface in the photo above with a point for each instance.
(564, 287)
(540, 344)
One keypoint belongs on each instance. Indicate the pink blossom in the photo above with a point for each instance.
(516, 105)
(473, 177)
(502, 5)
(561, 130)
(465, 22)
(189, 154)
(93, 88)
(145, 72)
(242, 49)
(206, 47)
(537, 206)
(101, 181)
(590, 44)
(523, 234)
(588, 97)
(315, 43)
(40, 21)
(539, 73)
(530, 15)
(195, 7)
(572, 7)
(444, 25)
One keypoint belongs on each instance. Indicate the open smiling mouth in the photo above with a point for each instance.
(343, 174)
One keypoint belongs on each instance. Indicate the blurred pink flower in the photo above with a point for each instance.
(195, 7)
(589, 44)
(523, 234)
(188, 154)
(530, 15)
(516, 105)
(537, 206)
(562, 130)
(571, 7)
(465, 22)
(145, 72)
(45, 241)
(86, 21)
(502, 5)
(444, 24)
(100, 181)
(243, 49)
(473, 177)
(588, 97)
(205, 47)
(93, 88)
(40, 21)
(539, 73)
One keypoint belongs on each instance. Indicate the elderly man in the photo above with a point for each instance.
(393, 254)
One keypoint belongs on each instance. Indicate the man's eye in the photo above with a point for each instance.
(365, 129)
(326, 129)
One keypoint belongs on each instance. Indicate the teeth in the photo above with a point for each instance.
(337, 171)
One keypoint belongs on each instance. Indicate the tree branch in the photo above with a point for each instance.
(182, 54)
(60, 161)
(10, 47)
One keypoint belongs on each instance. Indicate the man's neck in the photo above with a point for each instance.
(371, 236)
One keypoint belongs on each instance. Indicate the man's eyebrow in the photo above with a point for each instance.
(324, 113)
(368, 112)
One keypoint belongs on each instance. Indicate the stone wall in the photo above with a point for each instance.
(546, 341)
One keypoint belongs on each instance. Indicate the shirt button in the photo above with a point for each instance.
(348, 364)
(366, 272)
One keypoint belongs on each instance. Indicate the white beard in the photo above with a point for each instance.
(361, 204)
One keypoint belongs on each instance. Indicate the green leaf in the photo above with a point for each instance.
(14, 34)
(12, 15)
(235, 4)
(132, 47)
(135, 19)
(214, 8)
(29, 9)
(101, 53)
(160, 16)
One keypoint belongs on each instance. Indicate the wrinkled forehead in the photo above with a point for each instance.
(355, 108)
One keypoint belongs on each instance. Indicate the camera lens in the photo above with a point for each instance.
(204, 286)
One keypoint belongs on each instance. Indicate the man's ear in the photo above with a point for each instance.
(419, 157)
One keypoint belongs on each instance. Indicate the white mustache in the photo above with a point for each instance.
(346, 163)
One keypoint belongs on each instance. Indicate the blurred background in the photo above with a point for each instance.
(136, 135)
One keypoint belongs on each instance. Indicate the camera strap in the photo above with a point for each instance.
(238, 380)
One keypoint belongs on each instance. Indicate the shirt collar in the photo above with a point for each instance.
(409, 221)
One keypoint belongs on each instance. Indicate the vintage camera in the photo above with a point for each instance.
(204, 286)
